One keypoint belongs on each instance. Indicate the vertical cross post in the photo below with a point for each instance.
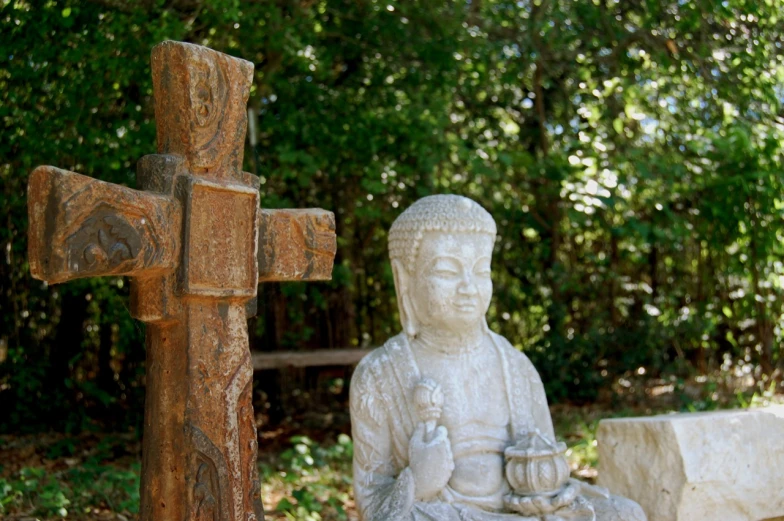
(196, 244)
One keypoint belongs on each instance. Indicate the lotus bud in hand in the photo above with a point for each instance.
(429, 402)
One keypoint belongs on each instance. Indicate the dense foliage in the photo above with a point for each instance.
(631, 152)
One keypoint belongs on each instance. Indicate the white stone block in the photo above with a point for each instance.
(714, 466)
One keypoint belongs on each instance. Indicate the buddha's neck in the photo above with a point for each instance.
(450, 342)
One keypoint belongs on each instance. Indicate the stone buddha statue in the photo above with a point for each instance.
(450, 422)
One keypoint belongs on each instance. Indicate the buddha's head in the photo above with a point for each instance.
(441, 248)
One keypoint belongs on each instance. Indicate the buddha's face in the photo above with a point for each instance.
(451, 288)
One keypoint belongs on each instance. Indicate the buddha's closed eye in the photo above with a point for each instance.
(446, 267)
(482, 268)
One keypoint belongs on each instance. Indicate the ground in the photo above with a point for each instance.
(305, 465)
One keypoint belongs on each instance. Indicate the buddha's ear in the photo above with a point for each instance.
(403, 286)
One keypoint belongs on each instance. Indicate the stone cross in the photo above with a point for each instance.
(196, 244)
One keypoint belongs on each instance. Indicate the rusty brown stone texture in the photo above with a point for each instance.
(196, 244)
(296, 245)
(80, 227)
(202, 116)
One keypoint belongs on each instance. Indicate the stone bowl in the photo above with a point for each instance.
(537, 466)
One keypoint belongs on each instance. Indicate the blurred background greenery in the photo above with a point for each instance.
(630, 151)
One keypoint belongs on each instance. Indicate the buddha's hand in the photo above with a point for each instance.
(431, 462)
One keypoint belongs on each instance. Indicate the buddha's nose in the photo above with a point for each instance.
(467, 286)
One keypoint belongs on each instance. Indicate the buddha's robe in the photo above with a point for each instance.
(384, 417)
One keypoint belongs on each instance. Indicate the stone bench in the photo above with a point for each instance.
(714, 466)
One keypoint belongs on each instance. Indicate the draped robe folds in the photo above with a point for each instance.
(384, 417)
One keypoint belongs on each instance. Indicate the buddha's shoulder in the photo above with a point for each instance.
(516, 358)
(378, 360)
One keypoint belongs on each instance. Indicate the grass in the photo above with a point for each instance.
(308, 481)
(60, 477)
(56, 477)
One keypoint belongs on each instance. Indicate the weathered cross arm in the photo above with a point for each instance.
(82, 227)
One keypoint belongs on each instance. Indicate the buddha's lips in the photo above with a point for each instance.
(464, 305)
